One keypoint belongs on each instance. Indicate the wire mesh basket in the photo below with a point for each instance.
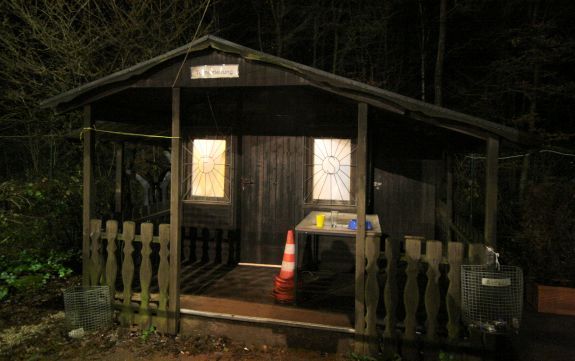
(492, 298)
(89, 307)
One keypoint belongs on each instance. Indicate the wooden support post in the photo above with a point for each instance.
(360, 341)
(175, 216)
(490, 229)
(119, 189)
(453, 297)
(88, 192)
(449, 195)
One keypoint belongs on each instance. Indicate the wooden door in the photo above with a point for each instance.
(270, 193)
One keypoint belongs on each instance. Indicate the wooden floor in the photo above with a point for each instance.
(323, 298)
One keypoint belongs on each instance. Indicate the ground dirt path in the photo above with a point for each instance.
(32, 327)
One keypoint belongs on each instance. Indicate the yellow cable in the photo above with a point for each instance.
(126, 133)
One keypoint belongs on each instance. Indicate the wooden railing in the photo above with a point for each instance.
(107, 247)
(459, 227)
(413, 287)
(204, 245)
(419, 297)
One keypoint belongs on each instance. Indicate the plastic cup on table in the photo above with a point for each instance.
(334, 215)
(320, 220)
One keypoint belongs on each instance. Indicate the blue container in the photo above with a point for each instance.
(353, 225)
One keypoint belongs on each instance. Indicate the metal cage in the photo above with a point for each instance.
(492, 298)
(89, 308)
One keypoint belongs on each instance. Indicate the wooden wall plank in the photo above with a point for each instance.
(490, 229)
(111, 263)
(405, 196)
(453, 297)
(128, 235)
(87, 192)
(147, 233)
(360, 342)
(433, 256)
(175, 213)
(163, 278)
(476, 253)
(96, 251)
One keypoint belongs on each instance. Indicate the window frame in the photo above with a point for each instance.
(309, 177)
(188, 149)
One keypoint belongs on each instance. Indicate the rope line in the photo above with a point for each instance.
(475, 157)
(84, 130)
(190, 47)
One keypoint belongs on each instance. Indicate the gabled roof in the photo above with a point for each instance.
(377, 97)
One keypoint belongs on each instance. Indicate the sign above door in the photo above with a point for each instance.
(215, 71)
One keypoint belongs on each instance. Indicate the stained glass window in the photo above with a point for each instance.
(207, 173)
(332, 169)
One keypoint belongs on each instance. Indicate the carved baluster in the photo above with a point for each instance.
(205, 245)
(390, 296)
(184, 246)
(411, 292)
(371, 291)
(111, 265)
(147, 233)
(219, 237)
(193, 237)
(453, 300)
(127, 273)
(95, 257)
(432, 299)
(163, 278)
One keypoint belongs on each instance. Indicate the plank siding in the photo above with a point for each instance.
(208, 215)
(404, 197)
(251, 73)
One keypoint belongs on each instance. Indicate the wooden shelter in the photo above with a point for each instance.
(258, 142)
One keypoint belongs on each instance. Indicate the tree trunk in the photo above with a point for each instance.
(440, 52)
(422, 50)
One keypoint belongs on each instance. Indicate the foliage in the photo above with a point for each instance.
(547, 235)
(32, 270)
(148, 332)
(36, 216)
(357, 357)
(445, 356)
(49, 47)
(40, 214)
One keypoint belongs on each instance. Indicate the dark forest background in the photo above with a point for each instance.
(511, 62)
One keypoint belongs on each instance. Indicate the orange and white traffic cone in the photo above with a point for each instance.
(284, 290)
